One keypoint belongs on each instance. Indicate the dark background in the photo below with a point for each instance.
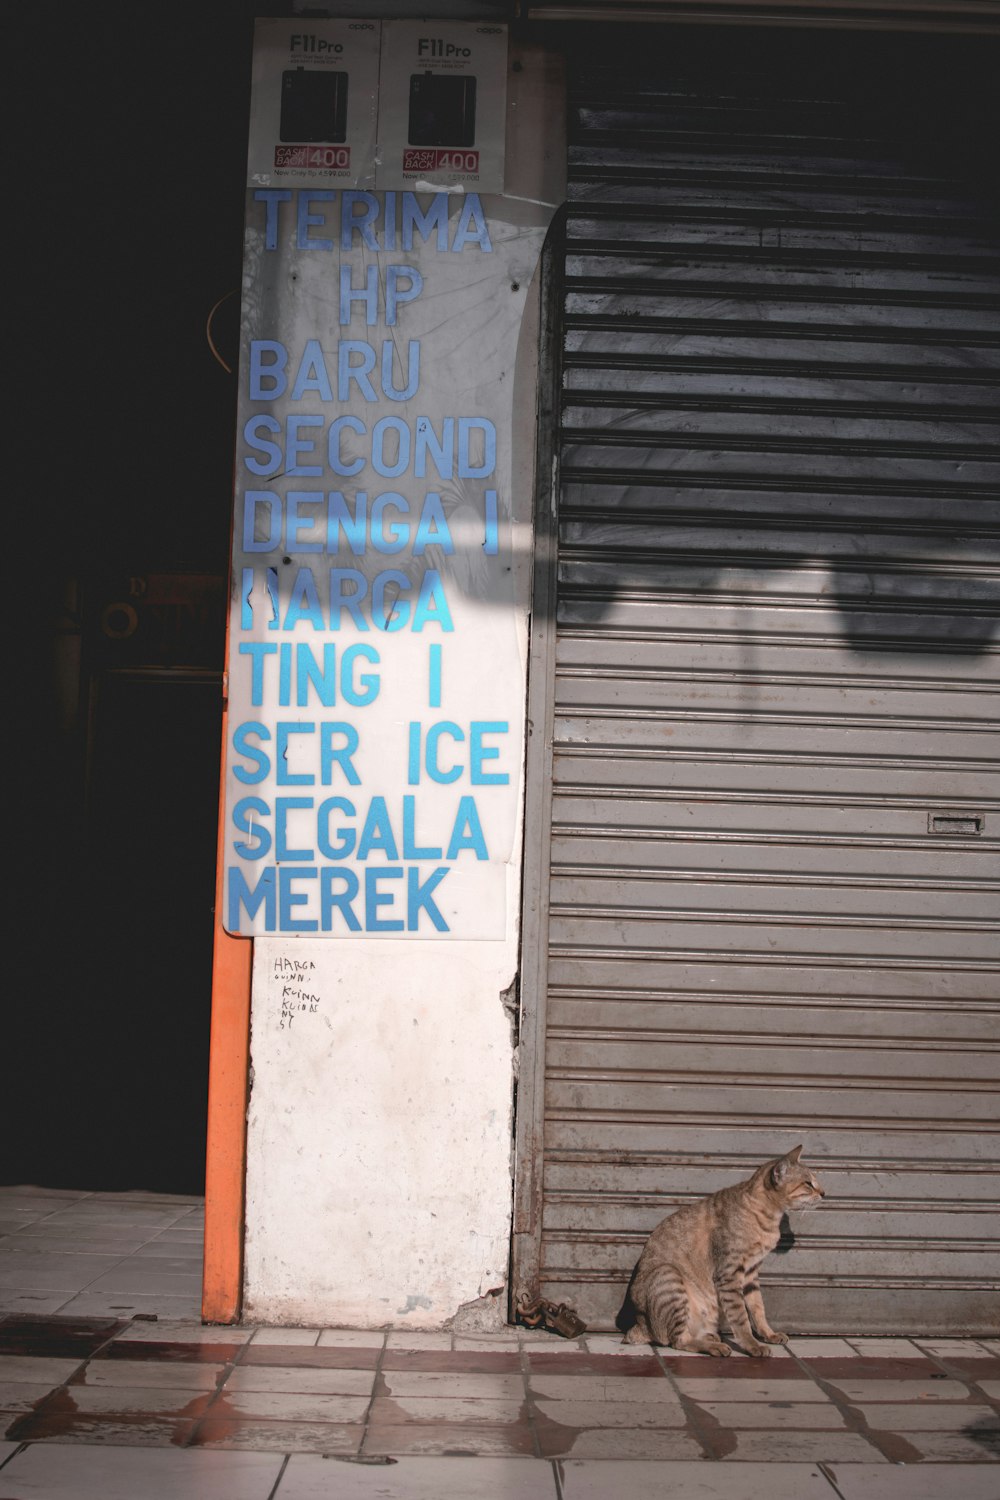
(127, 163)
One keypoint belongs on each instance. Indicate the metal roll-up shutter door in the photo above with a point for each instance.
(773, 894)
(950, 16)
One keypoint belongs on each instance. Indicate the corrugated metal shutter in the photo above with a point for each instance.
(775, 820)
(956, 16)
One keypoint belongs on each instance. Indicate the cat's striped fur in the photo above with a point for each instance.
(699, 1267)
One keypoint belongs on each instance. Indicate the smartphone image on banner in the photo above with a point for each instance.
(313, 106)
(442, 110)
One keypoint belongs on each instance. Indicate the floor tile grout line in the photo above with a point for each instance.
(955, 1372)
(972, 1385)
(281, 1474)
(826, 1475)
(166, 1228)
(694, 1417)
(39, 1406)
(376, 1379)
(228, 1366)
(58, 1311)
(855, 1421)
(130, 1255)
(530, 1411)
(108, 1270)
(19, 1448)
(44, 1218)
(824, 1469)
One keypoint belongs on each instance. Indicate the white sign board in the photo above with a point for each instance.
(376, 687)
(314, 104)
(443, 110)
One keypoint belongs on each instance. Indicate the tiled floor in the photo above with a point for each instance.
(92, 1254)
(109, 1389)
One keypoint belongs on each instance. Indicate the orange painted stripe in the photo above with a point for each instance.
(228, 1092)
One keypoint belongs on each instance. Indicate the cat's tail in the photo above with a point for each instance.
(627, 1314)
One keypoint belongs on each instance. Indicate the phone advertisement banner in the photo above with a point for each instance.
(444, 106)
(314, 106)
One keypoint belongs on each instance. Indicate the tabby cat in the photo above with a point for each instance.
(699, 1266)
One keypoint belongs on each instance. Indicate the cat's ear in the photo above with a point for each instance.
(781, 1167)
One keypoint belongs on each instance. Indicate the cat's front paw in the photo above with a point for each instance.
(756, 1351)
(773, 1337)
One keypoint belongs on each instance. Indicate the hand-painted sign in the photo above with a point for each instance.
(376, 660)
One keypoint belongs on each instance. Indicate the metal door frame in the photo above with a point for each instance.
(534, 959)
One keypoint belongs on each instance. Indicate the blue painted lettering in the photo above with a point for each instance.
(397, 224)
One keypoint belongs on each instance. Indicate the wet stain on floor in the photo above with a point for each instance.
(57, 1338)
(169, 1353)
(550, 1402)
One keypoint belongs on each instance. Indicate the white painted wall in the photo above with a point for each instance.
(379, 1163)
(380, 1126)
